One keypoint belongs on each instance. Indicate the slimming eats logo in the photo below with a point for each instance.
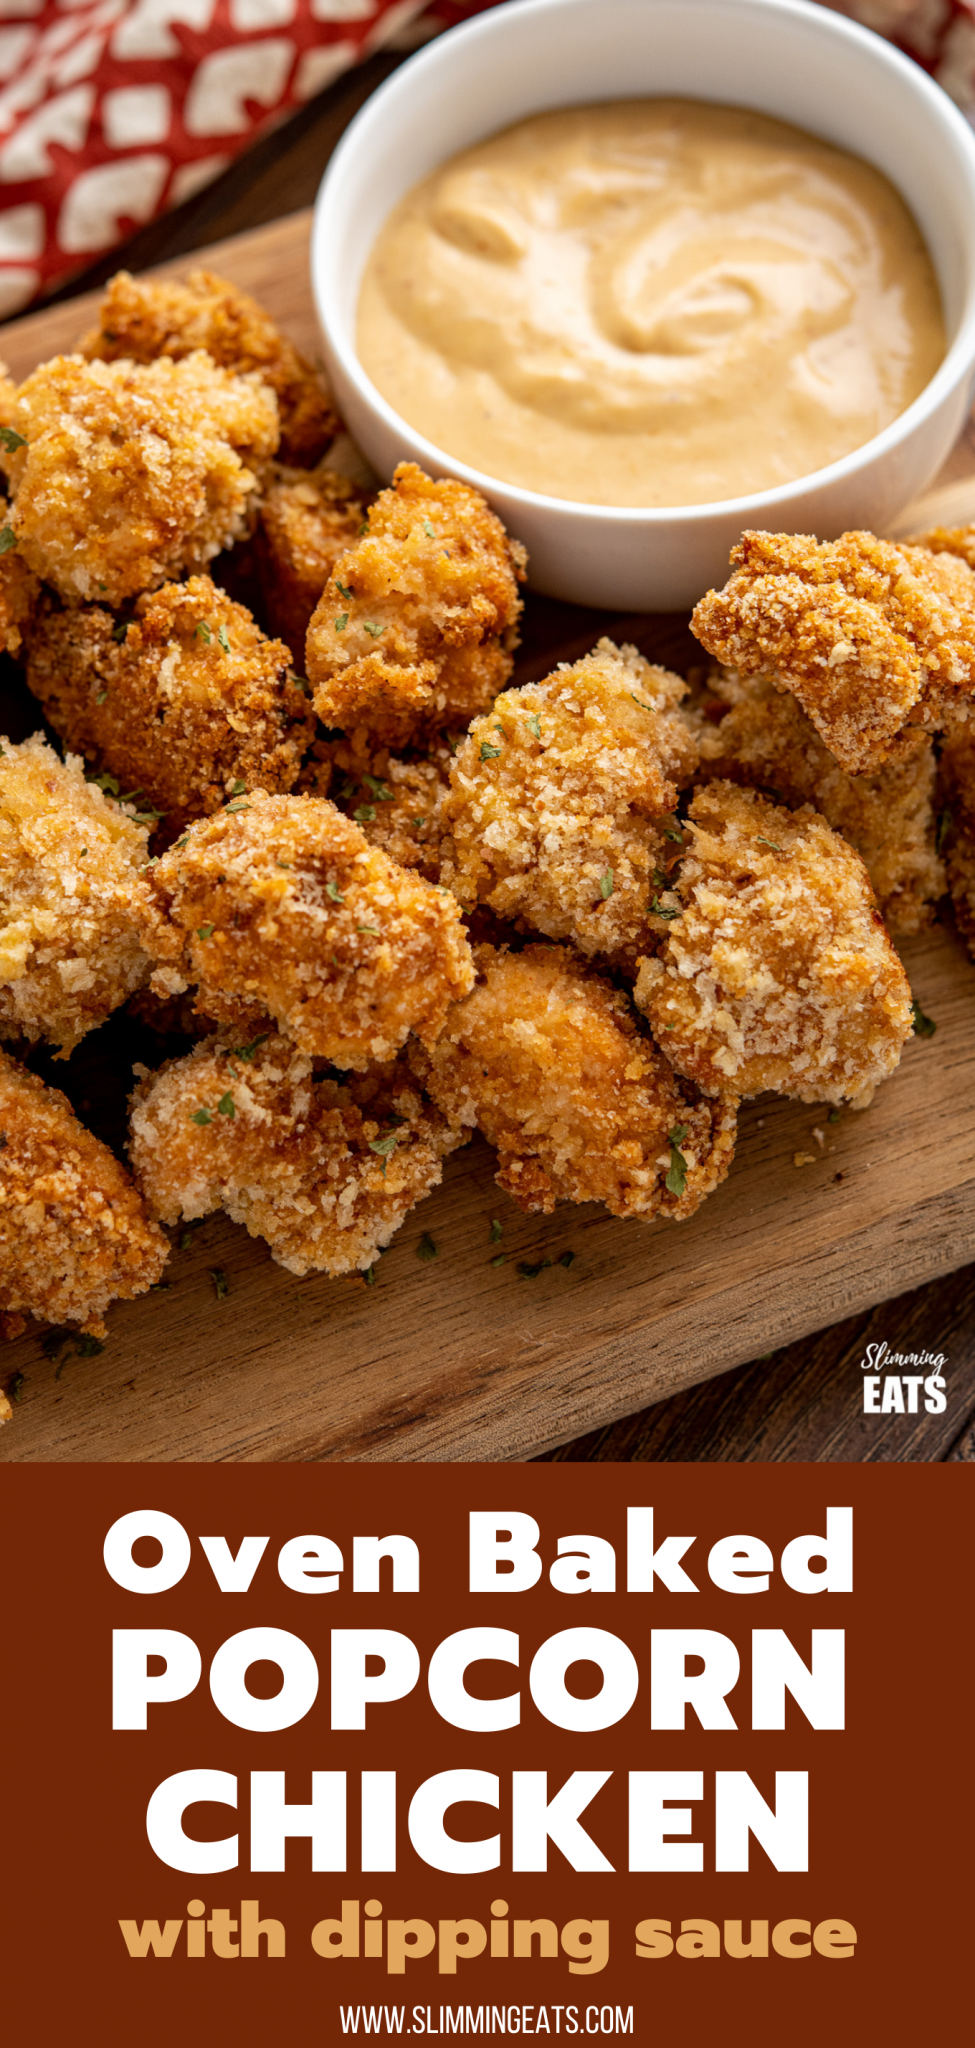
(903, 1382)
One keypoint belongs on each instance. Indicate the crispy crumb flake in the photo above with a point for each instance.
(134, 472)
(74, 1232)
(182, 701)
(280, 905)
(416, 625)
(72, 895)
(143, 318)
(325, 1171)
(562, 800)
(779, 974)
(546, 1057)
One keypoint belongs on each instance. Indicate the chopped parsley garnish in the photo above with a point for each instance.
(369, 1276)
(238, 788)
(88, 1347)
(566, 1259)
(180, 843)
(606, 884)
(674, 831)
(658, 909)
(676, 1180)
(186, 1236)
(247, 1052)
(221, 1284)
(384, 1147)
(501, 1260)
(529, 1272)
(489, 753)
(379, 789)
(371, 628)
(203, 931)
(15, 1386)
(201, 1116)
(945, 822)
(418, 822)
(427, 1247)
(341, 622)
(639, 700)
(533, 726)
(11, 440)
(235, 807)
(332, 889)
(759, 841)
(107, 784)
(100, 696)
(119, 631)
(203, 633)
(924, 1027)
(343, 588)
(373, 930)
(365, 814)
(8, 539)
(496, 1230)
(222, 637)
(364, 528)
(225, 1106)
(430, 531)
(348, 789)
(833, 1117)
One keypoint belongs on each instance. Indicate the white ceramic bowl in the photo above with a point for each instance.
(781, 57)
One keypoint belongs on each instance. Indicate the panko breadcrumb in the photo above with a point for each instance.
(281, 903)
(758, 735)
(19, 587)
(325, 1171)
(399, 804)
(868, 635)
(74, 1232)
(307, 520)
(547, 1058)
(133, 472)
(561, 811)
(72, 895)
(185, 701)
(416, 624)
(779, 974)
(142, 318)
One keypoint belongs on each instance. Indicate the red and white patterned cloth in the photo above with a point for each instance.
(113, 110)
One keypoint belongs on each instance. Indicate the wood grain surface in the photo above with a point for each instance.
(460, 1357)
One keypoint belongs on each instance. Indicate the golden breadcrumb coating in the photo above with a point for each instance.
(399, 804)
(325, 1172)
(779, 973)
(19, 587)
(948, 540)
(867, 635)
(186, 701)
(145, 317)
(74, 1232)
(957, 767)
(280, 902)
(307, 520)
(72, 894)
(562, 801)
(765, 740)
(133, 472)
(415, 626)
(547, 1058)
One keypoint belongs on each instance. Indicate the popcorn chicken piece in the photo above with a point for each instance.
(325, 1172)
(142, 318)
(185, 702)
(416, 625)
(74, 1232)
(562, 801)
(134, 472)
(19, 587)
(870, 637)
(72, 895)
(779, 974)
(547, 1058)
(308, 519)
(280, 903)
(766, 741)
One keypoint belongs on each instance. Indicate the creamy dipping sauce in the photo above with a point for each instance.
(651, 302)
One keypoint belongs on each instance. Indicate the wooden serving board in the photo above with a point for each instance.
(458, 1357)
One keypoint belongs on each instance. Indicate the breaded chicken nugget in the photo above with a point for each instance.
(186, 701)
(765, 740)
(325, 1172)
(280, 902)
(562, 800)
(308, 519)
(19, 587)
(74, 1232)
(958, 822)
(547, 1058)
(869, 636)
(416, 624)
(73, 893)
(132, 472)
(145, 317)
(399, 804)
(779, 974)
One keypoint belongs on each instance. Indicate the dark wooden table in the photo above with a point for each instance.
(804, 1401)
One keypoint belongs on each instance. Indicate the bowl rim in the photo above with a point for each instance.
(958, 361)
